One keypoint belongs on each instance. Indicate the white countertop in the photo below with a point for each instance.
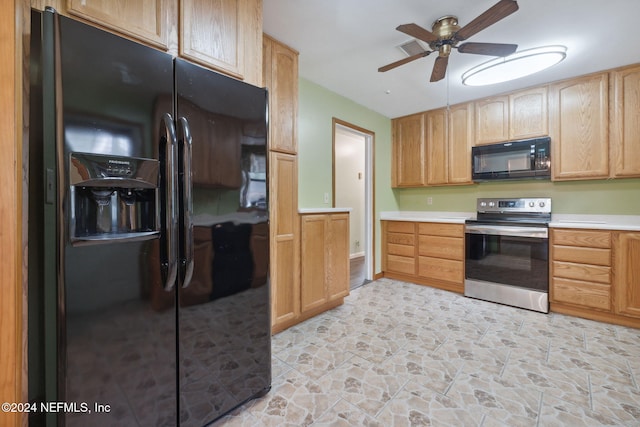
(602, 222)
(427, 216)
(323, 210)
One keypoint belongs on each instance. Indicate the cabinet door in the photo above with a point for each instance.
(625, 122)
(408, 166)
(284, 271)
(337, 273)
(145, 20)
(399, 247)
(281, 78)
(224, 35)
(578, 119)
(313, 292)
(627, 273)
(460, 141)
(437, 153)
(492, 120)
(528, 116)
(580, 267)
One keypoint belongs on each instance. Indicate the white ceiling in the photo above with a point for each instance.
(342, 43)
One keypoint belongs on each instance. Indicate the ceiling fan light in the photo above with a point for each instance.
(514, 66)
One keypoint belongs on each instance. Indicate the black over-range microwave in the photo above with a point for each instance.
(524, 159)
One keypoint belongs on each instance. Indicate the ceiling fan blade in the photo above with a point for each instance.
(417, 32)
(439, 68)
(404, 61)
(498, 11)
(491, 49)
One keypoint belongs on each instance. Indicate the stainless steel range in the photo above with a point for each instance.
(507, 252)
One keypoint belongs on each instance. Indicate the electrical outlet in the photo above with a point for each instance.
(429, 201)
(326, 198)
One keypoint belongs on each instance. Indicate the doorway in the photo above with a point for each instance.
(353, 187)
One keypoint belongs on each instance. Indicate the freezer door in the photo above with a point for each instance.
(116, 312)
(223, 314)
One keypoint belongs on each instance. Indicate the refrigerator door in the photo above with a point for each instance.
(116, 305)
(223, 314)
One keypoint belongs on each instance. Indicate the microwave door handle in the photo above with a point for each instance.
(170, 262)
(187, 201)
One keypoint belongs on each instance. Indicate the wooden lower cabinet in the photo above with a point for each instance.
(399, 243)
(324, 275)
(627, 273)
(425, 253)
(581, 268)
(595, 274)
(324, 270)
(441, 255)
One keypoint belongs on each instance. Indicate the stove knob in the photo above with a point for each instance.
(491, 204)
(531, 204)
(483, 204)
(541, 204)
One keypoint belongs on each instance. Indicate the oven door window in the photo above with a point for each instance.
(510, 260)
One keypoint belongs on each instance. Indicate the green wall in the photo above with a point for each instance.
(317, 108)
(606, 197)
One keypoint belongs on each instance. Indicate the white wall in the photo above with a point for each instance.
(350, 183)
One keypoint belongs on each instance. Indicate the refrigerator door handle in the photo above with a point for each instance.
(171, 220)
(187, 183)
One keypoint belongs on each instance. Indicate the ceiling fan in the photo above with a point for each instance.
(445, 35)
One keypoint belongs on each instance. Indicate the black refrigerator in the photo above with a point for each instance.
(148, 233)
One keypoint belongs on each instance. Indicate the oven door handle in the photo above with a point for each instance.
(514, 231)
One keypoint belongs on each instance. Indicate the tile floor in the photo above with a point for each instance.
(399, 354)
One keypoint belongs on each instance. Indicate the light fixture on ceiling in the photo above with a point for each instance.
(514, 66)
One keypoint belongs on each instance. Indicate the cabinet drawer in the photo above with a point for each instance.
(401, 227)
(587, 294)
(440, 229)
(402, 250)
(589, 239)
(586, 272)
(582, 255)
(401, 239)
(400, 264)
(441, 247)
(441, 269)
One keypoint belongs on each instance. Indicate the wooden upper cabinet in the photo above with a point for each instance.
(578, 122)
(225, 35)
(625, 122)
(519, 115)
(280, 65)
(434, 147)
(492, 120)
(408, 165)
(528, 115)
(145, 20)
(460, 140)
(437, 153)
